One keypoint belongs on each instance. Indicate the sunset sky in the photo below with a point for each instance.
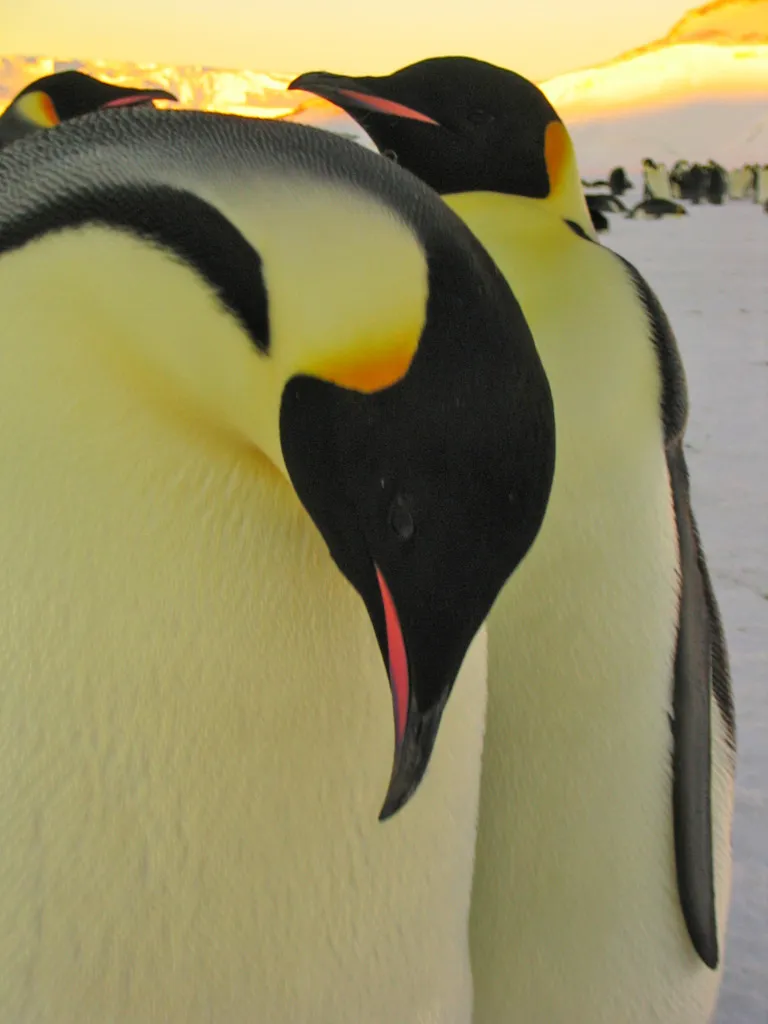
(540, 39)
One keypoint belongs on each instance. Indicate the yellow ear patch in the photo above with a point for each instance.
(556, 146)
(367, 370)
(38, 108)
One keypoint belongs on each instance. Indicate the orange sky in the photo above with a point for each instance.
(539, 40)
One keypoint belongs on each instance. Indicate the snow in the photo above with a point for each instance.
(733, 131)
(710, 271)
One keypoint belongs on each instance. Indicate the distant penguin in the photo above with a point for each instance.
(599, 220)
(676, 178)
(739, 182)
(649, 167)
(597, 204)
(656, 181)
(274, 428)
(761, 183)
(716, 184)
(754, 170)
(602, 878)
(655, 209)
(55, 98)
(618, 181)
(604, 202)
(695, 184)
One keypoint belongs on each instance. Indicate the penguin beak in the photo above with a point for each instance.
(346, 92)
(415, 730)
(145, 96)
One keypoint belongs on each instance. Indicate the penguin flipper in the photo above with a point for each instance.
(701, 671)
(695, 664)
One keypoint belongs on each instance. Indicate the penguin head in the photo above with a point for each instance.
(59, 97)
(463, 125)
(428, 489)
(312, 302)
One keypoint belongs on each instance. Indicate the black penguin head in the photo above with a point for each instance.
(69, 94)
(459, 124)
(430, 491)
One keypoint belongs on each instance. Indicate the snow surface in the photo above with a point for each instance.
(710, 271)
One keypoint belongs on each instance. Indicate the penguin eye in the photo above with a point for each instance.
(390, 154)
(401, 518)
(480, 116)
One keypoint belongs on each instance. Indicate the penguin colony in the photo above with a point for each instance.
(296, 442)
(664, 189)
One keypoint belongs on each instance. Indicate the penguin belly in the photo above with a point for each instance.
(197, 730)
(575, 913)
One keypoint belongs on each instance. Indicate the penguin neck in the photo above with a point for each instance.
(566, 196)
(498, 212)
(154, 327)
(158, 320)
(36, 109)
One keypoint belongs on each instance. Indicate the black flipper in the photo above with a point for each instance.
(701, 662)
(701, 668)
(692, 729)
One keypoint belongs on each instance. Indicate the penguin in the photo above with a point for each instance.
(605, 202)
(380, 105)
(599, 220)
(655, 209)
(716, 183)
(656, 182)
(618, 181)
(603, 862)
(754, 170)
(275, 435)
(649, 168)
(55, 98)
(699, 182)
(676, 178)
(761, 183)
(739, 183)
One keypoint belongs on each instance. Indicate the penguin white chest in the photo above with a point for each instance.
(196, 736)
(575, 911)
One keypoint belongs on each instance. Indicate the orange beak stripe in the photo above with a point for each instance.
(383, 106)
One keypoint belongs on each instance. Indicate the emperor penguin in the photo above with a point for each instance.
(655, 209)
(619, 182)
(598, 218)
(274, 428)
(52, 99)
(739, 181)
(603, 864)
(656, 183)
(761, 183)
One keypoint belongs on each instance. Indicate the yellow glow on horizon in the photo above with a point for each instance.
(649, 80)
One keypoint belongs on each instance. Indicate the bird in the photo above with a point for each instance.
(619, 182)
(605, 202)
(599, 219)
(656, 180)
(274, 435)
(603, 863)
(54, 98)
(656, 209)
